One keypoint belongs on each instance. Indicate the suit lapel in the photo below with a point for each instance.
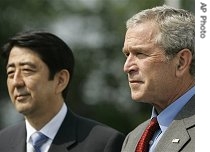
(132, 140)
(66, 136)
(176, 136)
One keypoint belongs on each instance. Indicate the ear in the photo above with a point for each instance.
(184, 59)
(62, 80)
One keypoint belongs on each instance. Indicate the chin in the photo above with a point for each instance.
(136, 98)
(23, 109)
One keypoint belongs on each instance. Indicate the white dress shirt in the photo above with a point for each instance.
(50, 130)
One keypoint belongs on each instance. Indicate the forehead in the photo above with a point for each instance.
(141, 33)
(20, 54)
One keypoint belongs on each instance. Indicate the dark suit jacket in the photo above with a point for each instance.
(76, 134)
(182, 128)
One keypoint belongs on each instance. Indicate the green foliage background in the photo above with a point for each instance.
(94, 29)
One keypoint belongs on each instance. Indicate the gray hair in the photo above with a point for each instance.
(176, 26)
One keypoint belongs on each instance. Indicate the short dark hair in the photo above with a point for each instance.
(53, 51)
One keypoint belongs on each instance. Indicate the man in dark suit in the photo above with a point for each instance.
(160, 63)
(39, 68)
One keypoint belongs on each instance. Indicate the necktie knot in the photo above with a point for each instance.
(38, 139)
(143, 144)
(153, 125)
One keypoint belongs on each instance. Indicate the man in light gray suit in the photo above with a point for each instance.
(160, 63)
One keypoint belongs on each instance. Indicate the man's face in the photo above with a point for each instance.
(151, 76)
(30, 89)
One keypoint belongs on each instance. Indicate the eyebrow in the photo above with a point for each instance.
(123, 50)
(132, 48)
(22, 64)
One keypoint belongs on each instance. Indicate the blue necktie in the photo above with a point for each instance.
(38, 139)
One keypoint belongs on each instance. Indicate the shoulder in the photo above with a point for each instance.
(96, 127)
(12, 129)
(85, 124)
(8, 133)
(132, 138)
(95, 135)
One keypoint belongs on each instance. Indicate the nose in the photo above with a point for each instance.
(130, 64)
(18, 79)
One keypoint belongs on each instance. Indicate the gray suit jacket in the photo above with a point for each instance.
(76, 134)
(182, 128)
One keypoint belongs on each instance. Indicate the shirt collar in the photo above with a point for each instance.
(167, 115)
(51, 128)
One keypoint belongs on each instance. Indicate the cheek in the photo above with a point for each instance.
(155, 73)
(163, 75)
(33, 87)
(10, 87)
(43, 87)
(34, 82)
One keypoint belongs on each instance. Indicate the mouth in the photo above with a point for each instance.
(135, 81)
(21, 97)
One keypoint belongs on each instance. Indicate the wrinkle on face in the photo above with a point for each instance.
(147, 64)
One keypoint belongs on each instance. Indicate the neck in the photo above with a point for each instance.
(179, 91)
(38, 121)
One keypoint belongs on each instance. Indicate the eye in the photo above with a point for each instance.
(139, 53)
(27, 70)
(10, 73)
(126, 54)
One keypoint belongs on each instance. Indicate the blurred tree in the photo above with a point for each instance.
(94, 29)
(188, 4)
